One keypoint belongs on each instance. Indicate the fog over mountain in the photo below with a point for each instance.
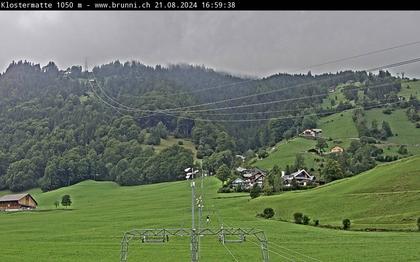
(246, 43)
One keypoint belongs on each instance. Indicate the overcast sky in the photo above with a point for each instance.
(248, 43)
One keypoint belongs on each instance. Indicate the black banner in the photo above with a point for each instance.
(153, 5)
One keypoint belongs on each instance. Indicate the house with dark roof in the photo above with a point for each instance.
(311, 133)
(249, 177)
(17, 202)
(301, 178)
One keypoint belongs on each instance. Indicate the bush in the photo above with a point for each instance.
(66, 201)
(180, 143)
(238, 188)
(268, 212)
(316, 223)
(262, 153)
(368, 140)
(417, 125)
(298, 217)
(387, 111)
(306, 220)
(255, 191)
(403, 150)
(418, 223)
(346, 224)
(224, 190)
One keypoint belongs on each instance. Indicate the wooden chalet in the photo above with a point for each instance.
(249, 177)
(17, 202)
(301, 177)
(311, 133)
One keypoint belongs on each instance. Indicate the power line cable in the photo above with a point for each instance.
(269, 250)
(255, 104)
(405, 62)
(296, 86)
(230, 252)
(164, 111)
(290, 250)
(311, 66)
(361, 55)
(261, 119)
(278, 118)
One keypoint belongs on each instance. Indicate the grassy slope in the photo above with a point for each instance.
(102, 211)
(337, 127)
(413, 90)
(338, 96)
(385, 197)
(340, 127)
(406, 130)
(285, 153)
(171, 140)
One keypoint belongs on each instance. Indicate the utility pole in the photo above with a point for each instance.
(86, 64)
(193, 203)
(194, 239)
(162, 235)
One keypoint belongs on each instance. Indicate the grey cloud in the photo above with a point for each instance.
(252, 43)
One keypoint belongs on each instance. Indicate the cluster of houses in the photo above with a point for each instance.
(315, 133)
(311, 133)
(17, 202)
(255, 176)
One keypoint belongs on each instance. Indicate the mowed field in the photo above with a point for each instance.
(410, 88)
(341, 129)
(385, 197)
(284, 153)
(405, 132)
(91, 230)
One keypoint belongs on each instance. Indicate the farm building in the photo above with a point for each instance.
(311, 133)
(17, 202)
(301, 177)
(249, 177)
(337, 149)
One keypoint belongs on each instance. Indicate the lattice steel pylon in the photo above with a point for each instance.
(163, 235)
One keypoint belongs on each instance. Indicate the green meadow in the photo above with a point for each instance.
(92, 228)
(284, 153)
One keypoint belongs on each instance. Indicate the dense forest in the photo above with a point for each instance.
(59, 127)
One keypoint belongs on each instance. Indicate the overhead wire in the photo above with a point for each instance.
(311, 66)
(261, 103)
(401, 63)
(126, 108)
(244, 97)
(261, 119)
(284, 255)
(295, 86)
(230, 252)
(299, 253)
(172, 110)
(361, 55)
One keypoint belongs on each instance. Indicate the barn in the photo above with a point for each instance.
(17, 202)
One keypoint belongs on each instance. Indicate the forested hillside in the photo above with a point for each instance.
(59, 127)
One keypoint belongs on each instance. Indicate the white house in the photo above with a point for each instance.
(312, 133)
(238, 182)
(301, 177)
(249, 177)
